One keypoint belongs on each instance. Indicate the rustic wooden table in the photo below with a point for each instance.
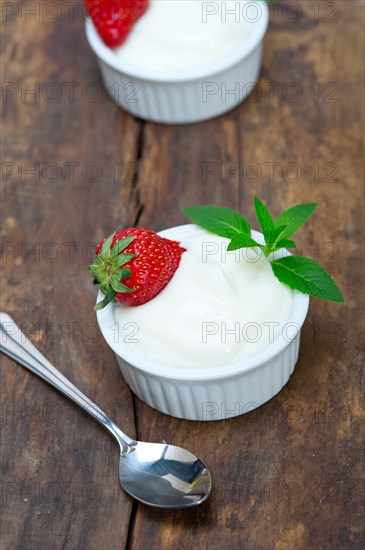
(75, 167)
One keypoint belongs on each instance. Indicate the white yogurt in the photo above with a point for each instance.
(218, 307)
(186, 34)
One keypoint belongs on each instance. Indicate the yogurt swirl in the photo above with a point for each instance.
(219, 306)
(187, 34)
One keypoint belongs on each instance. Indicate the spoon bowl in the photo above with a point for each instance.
(156, 474)
(164, 475)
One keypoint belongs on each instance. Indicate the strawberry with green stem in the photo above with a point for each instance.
(133, 265)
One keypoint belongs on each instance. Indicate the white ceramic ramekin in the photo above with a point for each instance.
(212, 393)
(177, 97)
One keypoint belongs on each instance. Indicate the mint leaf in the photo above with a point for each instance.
(307, 276)
(284, 243)
(219, 220)
(293, 218)
(277, 232)
(297, 272)
(265, 220)
(242, 241)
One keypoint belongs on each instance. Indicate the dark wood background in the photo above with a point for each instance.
(75, 167)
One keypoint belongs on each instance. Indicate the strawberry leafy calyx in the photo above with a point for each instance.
(108, 271)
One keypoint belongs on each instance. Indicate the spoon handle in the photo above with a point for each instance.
(15, 344)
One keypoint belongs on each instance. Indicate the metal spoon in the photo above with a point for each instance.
(154, 473)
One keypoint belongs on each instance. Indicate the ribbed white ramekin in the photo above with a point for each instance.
(183, 97)
(209, 393)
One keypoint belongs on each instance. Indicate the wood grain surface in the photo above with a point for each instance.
(288, 475)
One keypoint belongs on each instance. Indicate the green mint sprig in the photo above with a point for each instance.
(297, 272)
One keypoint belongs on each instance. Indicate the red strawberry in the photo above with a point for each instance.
(133, 265)
(114, 19)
